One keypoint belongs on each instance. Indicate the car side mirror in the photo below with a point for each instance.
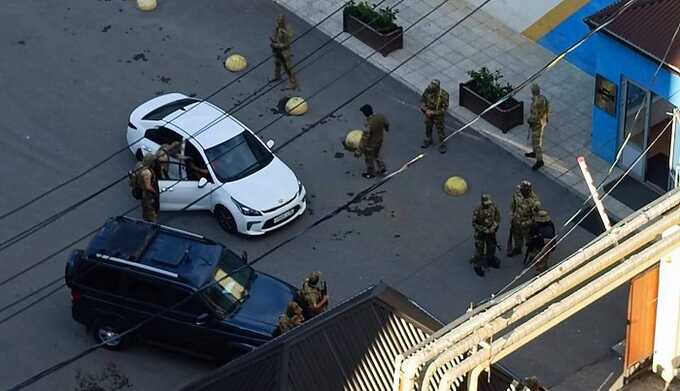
(244, 256)
(270, 144)
(202, 182)
(202, 319)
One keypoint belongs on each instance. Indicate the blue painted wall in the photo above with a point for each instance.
(616, 61)
(570, 31)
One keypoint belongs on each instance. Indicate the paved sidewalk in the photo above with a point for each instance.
(480, 41)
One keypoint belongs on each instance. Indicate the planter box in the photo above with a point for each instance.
(503, 119)
(384, 43)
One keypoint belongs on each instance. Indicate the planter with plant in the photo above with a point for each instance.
(376, 27)
(482, 90)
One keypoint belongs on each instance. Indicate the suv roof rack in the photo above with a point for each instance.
(167, 227)
(139, 265)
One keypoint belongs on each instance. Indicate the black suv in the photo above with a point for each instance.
(132, 270)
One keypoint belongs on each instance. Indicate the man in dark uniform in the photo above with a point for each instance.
(280, 44)
(485, 220)
(371, 141)
(540, 234)
(434, 104)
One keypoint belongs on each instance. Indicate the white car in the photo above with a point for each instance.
(248, 189)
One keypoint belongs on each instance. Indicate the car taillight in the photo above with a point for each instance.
(130, 125)
(75, 295)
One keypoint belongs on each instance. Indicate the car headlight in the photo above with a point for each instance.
(246, 210)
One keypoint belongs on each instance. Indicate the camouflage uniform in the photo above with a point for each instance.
(290, 319)
(146, 178)
(372, 139)
(311, 294)
(163, 156)
(538, 119)
(540, 234)
(523, 209)
(280, 44)
(485, 220)
(435, 99)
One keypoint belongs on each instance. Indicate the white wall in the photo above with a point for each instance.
(517, 14)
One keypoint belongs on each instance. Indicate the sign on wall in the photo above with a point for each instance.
(605, 95)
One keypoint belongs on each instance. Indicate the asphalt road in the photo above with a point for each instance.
(70, 74)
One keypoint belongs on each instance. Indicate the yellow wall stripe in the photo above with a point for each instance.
(553, 18)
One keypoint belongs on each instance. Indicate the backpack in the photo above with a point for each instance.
(133, 181)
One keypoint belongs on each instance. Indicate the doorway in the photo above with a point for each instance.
(647, 122)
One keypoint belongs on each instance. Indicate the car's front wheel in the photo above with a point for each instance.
(225, 219)
(107, 333)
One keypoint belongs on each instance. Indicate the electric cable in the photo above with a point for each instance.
(234, 109)
(112, 155)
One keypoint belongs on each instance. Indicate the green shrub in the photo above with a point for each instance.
(381, 19)
(489, 85)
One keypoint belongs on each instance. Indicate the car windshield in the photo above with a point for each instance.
(229, 288)
(238, 157)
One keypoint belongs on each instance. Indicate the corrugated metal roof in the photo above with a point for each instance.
(648, 26)
(351, 347)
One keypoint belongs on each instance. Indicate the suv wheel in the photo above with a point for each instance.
(105, 332)
(225, 219)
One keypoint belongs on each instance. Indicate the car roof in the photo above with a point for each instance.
(207, 123)
(156, 250)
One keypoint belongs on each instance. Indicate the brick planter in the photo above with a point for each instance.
(502, 118)
(384, 43)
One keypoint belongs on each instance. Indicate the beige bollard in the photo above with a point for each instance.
(296, 106)
(352, 140)
(455, 186)
(235, 63)
(146, 5)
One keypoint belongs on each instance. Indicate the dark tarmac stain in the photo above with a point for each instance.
(164, 79)
(120, 10)
(22, 42)
(106, 28)
(160, 28)
(140, 56)
(312, 195)
(192, 95)
(260, 115)
(158, 93)
(397, 235)
(350, 194)
(227, 50)
(339, 155)
(280, 106)
(347, 172)
(343, 235)
(310, 211)
(324, 151)
(372, 205)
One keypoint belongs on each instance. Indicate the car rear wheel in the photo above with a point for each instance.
(105, 332)
(225, 219)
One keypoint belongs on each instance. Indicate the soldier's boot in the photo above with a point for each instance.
(479, 270)
(442, 148)
(539, 164)
(277, 72)
(426, 143)
(495, 262)
(292, 82)
(514, 252)
(530, 154)
(381, 167)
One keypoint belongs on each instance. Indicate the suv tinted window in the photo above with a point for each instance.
(162, 135)
(99, 277)
(168, 109)
(157, 293)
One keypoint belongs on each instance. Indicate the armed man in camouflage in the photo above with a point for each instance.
(290, 319)
(371, 141)
(537, 121)
(147, 181)
(315, 299)
(541, 234)
(280, 44)
(434, 104)
(523, 209)
(485, 220)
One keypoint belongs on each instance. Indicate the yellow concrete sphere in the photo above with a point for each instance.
(296, 106)
(146, 5)
(455, 186)
(235, 63)
(352, 140)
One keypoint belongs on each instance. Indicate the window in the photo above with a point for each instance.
(238, 157)
(165, 110)
(99, 277)
(635, 120)
(162, 135)
(196, 165)
(144, 291)
(605, 95)
(173, 171)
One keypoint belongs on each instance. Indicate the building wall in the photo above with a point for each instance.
(616, 61)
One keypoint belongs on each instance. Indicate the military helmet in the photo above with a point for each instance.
(535, 89)
(149, 160)
(367, 110)
(542, 216)
(293, 308)
(314, 277)
(525, 185)
(486, 199)
(281, 19)
(434, 83)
